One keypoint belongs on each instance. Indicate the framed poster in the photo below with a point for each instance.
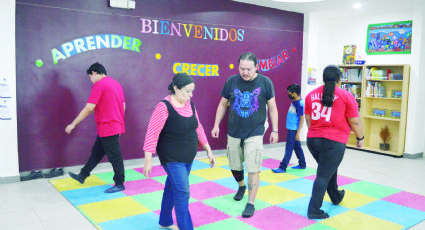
(311, 76)
(389, 38)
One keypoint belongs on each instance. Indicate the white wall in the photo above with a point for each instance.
(9, 165)
(327, 36)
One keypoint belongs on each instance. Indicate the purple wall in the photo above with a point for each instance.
(50, 96)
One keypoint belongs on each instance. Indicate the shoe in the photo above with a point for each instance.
(77, 177)
(321, 215)
(249, 211)
(33, 175)
(298, 167)
(116, 188)
(241, 192)
(279, 170)
(54, 173)
(343, 194)
(173, 227)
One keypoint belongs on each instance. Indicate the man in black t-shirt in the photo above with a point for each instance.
(248, 94)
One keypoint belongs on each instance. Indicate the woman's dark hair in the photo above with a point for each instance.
(331, 76)
(96, 67)
(294, 88)
(180, 80)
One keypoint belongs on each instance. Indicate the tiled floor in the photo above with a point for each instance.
(36, 204)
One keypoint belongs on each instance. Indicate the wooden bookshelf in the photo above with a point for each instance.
(383, 101)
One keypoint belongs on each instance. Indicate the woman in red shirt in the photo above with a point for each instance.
(331, 113)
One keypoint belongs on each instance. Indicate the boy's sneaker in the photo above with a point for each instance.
(279, 170)
(298, 167)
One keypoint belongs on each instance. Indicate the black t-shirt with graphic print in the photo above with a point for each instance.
(248, 100)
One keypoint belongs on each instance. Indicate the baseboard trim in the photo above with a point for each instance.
(9, 179)
(413, 155)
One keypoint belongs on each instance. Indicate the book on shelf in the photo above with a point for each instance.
(375, 89)
(351, 74)
(379, 74)
(353, 89)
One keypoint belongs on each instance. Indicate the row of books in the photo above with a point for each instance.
(379, 74)
(353, 89)
(375, 89)
(351, 74)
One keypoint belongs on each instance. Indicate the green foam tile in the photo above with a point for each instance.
(130, 175)
(301, 172)
(371, 189)
(231, 207)
(227, 224)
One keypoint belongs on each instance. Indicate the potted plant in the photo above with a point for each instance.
(385, 136)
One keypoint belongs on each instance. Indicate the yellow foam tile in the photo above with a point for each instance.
(274, 194)
(66, 184)
(353, 200)
(113, 209)
(219, 161)
(212, 173)
(273, 178)
(354, 220)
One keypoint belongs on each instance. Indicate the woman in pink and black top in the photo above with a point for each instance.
(174, 133)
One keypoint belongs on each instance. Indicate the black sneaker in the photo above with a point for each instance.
(54, 173)
(77, 177)
(249, 211)
(240, 193)
(343, 194)
(33, 175)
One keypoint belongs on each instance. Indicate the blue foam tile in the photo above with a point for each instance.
(300, 206)
(196, 165)
(230, 182)
(300, 185)
(90, 195)
(393, 212)
(146, 221)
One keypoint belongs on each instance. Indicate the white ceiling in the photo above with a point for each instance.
(338, 8)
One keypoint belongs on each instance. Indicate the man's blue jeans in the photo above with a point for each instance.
(176, 194)
(292, 145)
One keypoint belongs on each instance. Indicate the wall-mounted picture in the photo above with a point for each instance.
(396, 94)
(379, 112)
(389, 38)
(395, 114)
(349, 55)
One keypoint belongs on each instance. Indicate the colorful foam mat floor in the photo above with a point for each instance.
(281, 202)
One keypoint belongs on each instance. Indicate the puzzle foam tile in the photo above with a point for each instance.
(113, 209)
(354, 220)
(274, 194)
(282, 201)
(66, 184)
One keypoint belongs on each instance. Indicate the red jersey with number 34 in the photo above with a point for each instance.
(330, 122)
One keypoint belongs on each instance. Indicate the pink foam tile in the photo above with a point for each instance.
(272, 163)
(342, 180)
(157, 170)
(142, 186)
(277, 218)
(208, 189)
(407, 199)
(201, 214)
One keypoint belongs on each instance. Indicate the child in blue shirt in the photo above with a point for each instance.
(294, 123)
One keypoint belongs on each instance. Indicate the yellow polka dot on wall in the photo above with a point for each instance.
(231, 66)
(158, 56)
